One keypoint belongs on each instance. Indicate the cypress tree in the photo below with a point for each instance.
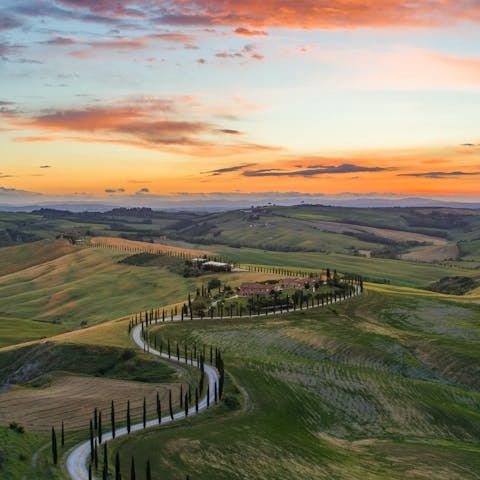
(186, 404)
(105, 462)
(89, 471)
(54, 447)
(91, 439)
(100, 427)
(159, 409)
(128, 417)
(118, 476)
(132, 470)
(178, 353)
(196, 400)
(96, 455)
(95, 418)
(63, 435)
(149, 472)
(181, 395)
(170, 407)
(112, 418)
(208, 395)
(144, 412)
(216, 393)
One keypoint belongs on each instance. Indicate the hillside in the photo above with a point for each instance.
(418, 234)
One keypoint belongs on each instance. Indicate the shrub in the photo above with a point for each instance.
(16, 427)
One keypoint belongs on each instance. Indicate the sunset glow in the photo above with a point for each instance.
(106, 98)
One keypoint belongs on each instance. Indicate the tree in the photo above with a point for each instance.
(91, 440)
(54, 447)
(63, 435)
(90, 471)
(95, 418)
(132, 470)
(149, 471)
(118, 476)
(144, 413)
(128, 417)
(112, 418)
(186, 404)
(159, 409)
(100, 427)
(170, 407)
(105, 463)
(96, 454)
(196, 400)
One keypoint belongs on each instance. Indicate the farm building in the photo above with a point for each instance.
(198, 261)
(254, 289)
(294, 282)
(216, 266)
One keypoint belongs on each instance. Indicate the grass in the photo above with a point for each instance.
(16, 452)
(381, 387)
(17, 330)
(395, 271)
(86, 287)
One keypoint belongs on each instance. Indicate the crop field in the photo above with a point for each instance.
(73, 399)
(382, 387)
(129, 245)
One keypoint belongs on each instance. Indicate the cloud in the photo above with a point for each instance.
(45, 166)
(245, 32)
(114, 190)
(142, 122)
(234, 168)
(248, 50)
(230, 131)
(9, 23)
(438, 174)
(60, 41)
(254, 16)
(312, 171)
(142, 190)
(302, 14)
(201, 61)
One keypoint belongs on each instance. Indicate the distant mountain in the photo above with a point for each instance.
(222, 202)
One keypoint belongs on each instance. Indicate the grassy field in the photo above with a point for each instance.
(383, 387)
(86, 287)
(398, 272)
(65, 287)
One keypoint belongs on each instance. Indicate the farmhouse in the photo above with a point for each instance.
(294, 282)
(216, 266)
(254, 289)
(198, 261)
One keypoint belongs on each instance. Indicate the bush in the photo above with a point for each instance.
(16, 427)
(127, 354)
(231, 402)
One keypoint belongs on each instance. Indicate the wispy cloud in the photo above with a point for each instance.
(245, 32)
(457, 173)
(234, 168)
(312, 171)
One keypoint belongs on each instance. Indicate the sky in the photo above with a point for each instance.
(111, 99)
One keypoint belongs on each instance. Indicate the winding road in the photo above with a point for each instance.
(77, 460)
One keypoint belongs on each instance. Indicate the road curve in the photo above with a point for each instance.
(77, 460)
